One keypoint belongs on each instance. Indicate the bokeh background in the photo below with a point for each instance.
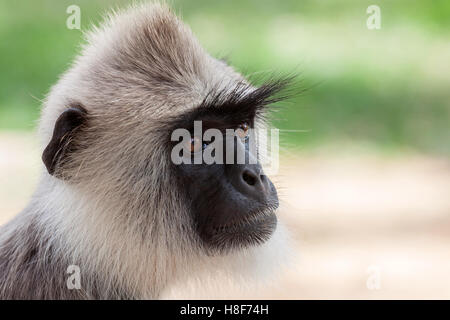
(365, 168)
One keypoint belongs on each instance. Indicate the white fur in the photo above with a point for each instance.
(113, 225)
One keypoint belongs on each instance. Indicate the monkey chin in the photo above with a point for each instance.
(253, 230)
(235, 274)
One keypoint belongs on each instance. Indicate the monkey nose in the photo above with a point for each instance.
(251, 182)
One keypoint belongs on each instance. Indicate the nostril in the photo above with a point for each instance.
(249, 178)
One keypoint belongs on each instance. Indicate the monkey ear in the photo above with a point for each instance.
(65, 127)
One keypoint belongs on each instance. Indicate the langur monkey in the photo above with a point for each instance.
(110, 203)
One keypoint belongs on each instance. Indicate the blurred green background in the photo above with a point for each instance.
(388, 89)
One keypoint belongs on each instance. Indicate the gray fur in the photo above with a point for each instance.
(119, 217)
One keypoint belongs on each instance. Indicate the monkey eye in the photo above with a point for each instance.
(243, 130)
(195, 144)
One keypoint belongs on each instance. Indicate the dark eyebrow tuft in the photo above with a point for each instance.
(243, 103)
(244, 95)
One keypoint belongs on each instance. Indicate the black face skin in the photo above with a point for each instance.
(232, 205)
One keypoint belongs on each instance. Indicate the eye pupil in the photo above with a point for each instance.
(195, 144)
(242, 130)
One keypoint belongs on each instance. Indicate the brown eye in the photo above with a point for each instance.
(195, 144)
(242, 130)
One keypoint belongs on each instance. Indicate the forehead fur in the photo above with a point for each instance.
(142, 62)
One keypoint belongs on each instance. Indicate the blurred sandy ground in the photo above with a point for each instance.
(354, 218)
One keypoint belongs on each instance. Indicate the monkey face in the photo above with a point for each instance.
(232, 202)
(227, 204)
(112, 117)
(232, 205)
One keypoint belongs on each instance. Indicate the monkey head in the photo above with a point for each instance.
(107, 129)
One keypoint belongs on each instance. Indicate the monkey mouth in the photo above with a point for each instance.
(254, 229)
(251, 221)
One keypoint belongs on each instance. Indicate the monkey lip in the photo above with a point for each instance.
(252, 220)
(254, 229)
